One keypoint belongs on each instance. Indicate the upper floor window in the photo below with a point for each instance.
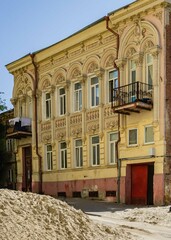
(94, 91)
(49, 160)
(132, 137)
(47, 105)
(62, 101)
(149, 134)
(63, 155)
(113, 137)
(132, 71)
(113, 83)
(78, 153)
(77, 97)
(9, 145)
(29, 107)
(149, 70)
(95, 151)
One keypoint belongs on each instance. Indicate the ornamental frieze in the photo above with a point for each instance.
(60, 123)
(45, 126)
(76, 119)
(92, 115)
(108, 111)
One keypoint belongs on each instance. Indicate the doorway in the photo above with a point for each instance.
(27, 170)
(142, 184)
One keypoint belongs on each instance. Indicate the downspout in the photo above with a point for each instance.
(119, 137)
(35, 84)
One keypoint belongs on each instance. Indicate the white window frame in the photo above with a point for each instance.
(62, 102)
(111, 82)
(94, 90)
(47, 106)
(95, 148)
(148, 142)
(77, 97)
(49, 158)
(63, 156)
(133, 144)
(78, 153)
(148, 65)
(112, 148)
(132, 69)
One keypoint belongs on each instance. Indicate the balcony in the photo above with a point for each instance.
(133, 97)
(18, 128)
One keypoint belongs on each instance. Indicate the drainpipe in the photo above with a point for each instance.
(35, 84)
(119, 138)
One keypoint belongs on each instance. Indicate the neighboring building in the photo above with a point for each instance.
(8, 166)
(99, 106)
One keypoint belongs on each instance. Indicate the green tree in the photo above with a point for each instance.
(2, 103)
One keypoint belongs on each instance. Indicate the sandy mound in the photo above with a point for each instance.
(152, 215)
(39, 217)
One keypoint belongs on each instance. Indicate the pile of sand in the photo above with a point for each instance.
(38, 217)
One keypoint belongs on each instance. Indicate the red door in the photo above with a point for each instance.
(139, 184)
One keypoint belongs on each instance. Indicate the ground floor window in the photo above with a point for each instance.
(63, 155)
(95, 151)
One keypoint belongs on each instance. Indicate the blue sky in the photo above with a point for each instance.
(27, 26)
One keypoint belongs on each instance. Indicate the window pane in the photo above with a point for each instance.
(132, 136)
(150, 74)
(149, 135)
(95, 139)
(77, 86)
(112, 152)
(63, 145)
(113, 136)
(78, 143)
(62, 91)
(94, 81)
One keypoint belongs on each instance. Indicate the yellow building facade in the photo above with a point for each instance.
(92, 111)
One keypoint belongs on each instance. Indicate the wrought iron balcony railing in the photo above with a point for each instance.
(132, 97)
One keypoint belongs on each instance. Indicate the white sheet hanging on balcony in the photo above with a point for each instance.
(13, 121)
(25, 122)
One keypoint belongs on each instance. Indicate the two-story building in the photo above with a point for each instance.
(92, 112)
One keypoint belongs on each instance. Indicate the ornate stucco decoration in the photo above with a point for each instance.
(60, 135)
(76, 132)
(46, 84)
(130, 52)
(46, 126)
(92, 67)
(158, 15)
(111, 124)
(93, 128)
(60, 123)
(60, 79)
(93, 115)
(110, 61)
(108, 111)
(14, 101)
(46, 138)
(76, 119)
(99, 72)
(139, 31)
(75, 73)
